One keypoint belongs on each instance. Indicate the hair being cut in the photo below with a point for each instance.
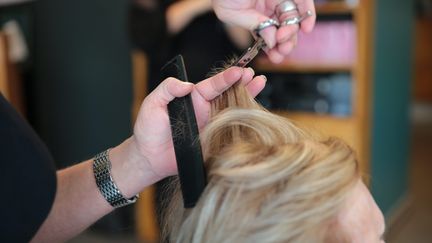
(268, 180)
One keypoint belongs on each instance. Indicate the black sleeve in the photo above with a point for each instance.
(27, 178)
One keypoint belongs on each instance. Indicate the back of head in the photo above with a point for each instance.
(268, 180)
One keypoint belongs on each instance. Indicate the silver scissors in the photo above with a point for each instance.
(259, 44)
(250, 53)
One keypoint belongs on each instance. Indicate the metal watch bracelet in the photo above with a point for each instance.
(105, 183)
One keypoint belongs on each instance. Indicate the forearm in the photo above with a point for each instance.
(78, 202)
(181, 13)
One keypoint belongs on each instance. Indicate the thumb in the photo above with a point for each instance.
(169, 89)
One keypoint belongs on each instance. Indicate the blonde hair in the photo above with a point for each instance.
(268, 180)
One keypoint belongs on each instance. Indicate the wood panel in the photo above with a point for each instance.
(362, 75)
(10, 81)
(139, 77)
(145, 213)
(336, 7)
(423, 60)
(4, 66)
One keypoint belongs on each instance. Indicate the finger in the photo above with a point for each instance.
(286, 32)
(169, 89)
(256, 85)
(247, 76)
(274, 55)
(216, 85)
(303, 6)
(287, 47)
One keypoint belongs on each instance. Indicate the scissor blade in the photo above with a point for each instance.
(250, 53)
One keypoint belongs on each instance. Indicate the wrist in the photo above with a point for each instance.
(130, 169)
(104, 180)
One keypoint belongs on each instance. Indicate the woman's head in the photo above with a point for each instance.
(268, 180)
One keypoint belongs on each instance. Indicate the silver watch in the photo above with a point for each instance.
(105, 183)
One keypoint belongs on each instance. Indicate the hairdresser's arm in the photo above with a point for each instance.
(78, 202)
(181, 13)
(141, 160)
(249, 13)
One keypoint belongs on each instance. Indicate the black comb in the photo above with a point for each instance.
(185, 135)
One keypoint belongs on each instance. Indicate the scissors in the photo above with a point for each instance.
(259, 44)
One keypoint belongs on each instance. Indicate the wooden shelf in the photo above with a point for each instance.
(327, 125)
(263, 64)
(336, 7)
(311, 116)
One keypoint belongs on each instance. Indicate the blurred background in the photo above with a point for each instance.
(78, 71)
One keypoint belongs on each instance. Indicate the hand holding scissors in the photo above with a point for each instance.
(292, 19)
(250, 14)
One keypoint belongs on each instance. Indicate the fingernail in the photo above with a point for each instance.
(185, 83)
(264, 77)
(251, 69)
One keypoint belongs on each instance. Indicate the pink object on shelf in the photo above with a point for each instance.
(332, 42)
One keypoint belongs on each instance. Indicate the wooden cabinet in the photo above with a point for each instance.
(354, 129)
(423, 60)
